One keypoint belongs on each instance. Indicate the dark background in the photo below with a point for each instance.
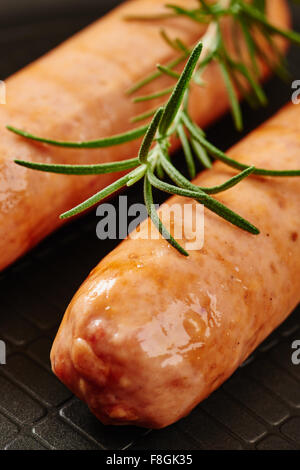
(258, 408)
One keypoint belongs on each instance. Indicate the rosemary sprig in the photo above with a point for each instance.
(187, 151)
(153, 96)
(148, 139)
(154, 159)
(247, 18)
(104, 193)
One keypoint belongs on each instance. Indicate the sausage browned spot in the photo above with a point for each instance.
(77, 92)
(151, 333)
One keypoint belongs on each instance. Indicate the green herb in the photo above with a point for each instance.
(92, 144)
(173, 119)
(247, 18)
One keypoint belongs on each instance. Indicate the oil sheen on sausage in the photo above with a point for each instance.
(152, 333)
(77, 92)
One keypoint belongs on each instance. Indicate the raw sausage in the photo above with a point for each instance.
(152, 333)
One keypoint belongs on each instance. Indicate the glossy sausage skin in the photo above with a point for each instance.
(151, 333)
(77, 92)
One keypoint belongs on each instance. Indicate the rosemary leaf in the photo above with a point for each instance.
(169, 41)
(159, 169)
(137, 175)
(229, 183)
(149, 137)
(100, 169)
(275, 64)
(112, 188)
(177, 96)
(256, 96)
(195, 15)
(183, 47)
(148, 196)
(250, 44)
(92, 144)
(246, 94)
(187, 151)
(254, 85)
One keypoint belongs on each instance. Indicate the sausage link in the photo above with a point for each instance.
(152, 333)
